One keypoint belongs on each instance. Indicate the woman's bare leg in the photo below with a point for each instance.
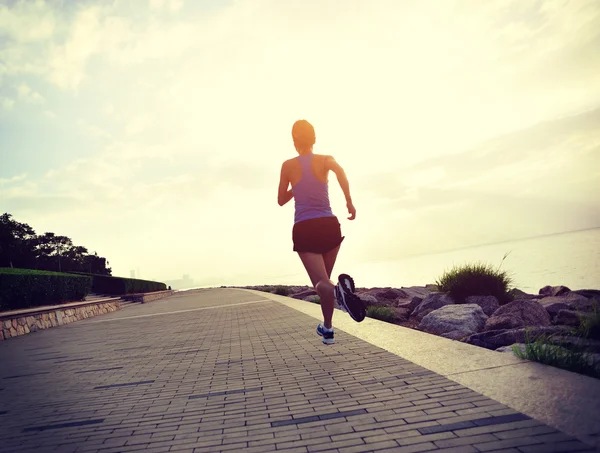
(329, 259)
(314, 264)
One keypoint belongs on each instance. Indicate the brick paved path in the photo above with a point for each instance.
(223, 370)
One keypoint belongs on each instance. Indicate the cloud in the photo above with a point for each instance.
(170, 5)
(7, 103)
(29, 95)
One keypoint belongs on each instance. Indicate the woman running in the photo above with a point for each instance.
(316, 233)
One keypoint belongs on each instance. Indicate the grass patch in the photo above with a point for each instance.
(382, 313)
(550, 352)
(590, 325)
(477, 279)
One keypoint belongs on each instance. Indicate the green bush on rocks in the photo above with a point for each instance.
(477, 279)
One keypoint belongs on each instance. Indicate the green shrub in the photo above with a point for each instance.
(116, 286)
(25, 288)
(382, 313)
(282, 290)
(315, 300)
(477, 279)
(590, 325)
(550, 352)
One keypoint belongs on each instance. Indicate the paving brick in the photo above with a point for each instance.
(416, 448)
(371, 447)
(506, 443)
(559, 447)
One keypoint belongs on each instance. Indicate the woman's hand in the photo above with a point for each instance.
(351, 210)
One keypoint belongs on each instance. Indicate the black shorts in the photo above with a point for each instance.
(318, 235)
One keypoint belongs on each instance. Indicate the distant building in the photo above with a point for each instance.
(183, 283)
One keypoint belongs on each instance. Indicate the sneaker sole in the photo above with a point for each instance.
(345, 282)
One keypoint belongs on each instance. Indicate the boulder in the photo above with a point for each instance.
(463, 318)
(554, 290)
(494, 339)
(516, 293)
(577, 344)
(553, 304)
(455, 335)
(402, 314)
(489, 304)
(589, 293)
(581, 303)
(567, 318)
(369, 299)
(518, 313)
(432, 302)
(389, 294)
(414, 303)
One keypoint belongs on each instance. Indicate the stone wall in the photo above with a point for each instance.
(21, 322)
(147, 297)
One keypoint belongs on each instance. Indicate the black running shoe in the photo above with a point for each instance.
(348, 300)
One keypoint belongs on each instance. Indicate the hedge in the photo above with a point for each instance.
(24, 288)
(105, 284)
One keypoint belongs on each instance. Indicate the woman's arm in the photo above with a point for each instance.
(284, 195)
(331, 164)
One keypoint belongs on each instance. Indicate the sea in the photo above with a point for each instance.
(570, 259)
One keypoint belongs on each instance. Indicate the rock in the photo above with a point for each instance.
(414, 303)
(567, 318)
(577, 344)
(489, 304)
(554, 290)
(589, 293)
(369, 299)
(516, 293)
(518, 313)
(465, 318)
(581, 303)
(494, 339)
(455, 335)
(553, 304)
(305, 293)
(432, 302)
(387, 293)
(402, 314)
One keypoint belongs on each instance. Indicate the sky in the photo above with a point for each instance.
(153, 132)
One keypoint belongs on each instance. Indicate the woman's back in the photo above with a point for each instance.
(308, 177)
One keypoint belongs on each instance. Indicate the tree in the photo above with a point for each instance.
(21, 247)
(17, 241)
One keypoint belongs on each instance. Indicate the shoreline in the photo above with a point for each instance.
(557, 326)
